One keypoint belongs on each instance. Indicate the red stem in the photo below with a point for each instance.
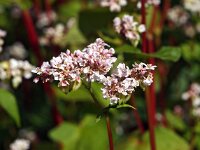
(36, 7)
(33, 39)
(111, 145)
(150, 121)
(137, 116)
(150, 101)
(144, 42)
(48, 9)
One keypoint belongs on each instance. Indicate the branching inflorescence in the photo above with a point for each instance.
(93, 64)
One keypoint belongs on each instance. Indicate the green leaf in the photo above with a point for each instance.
(68, 10)
(93, 135)
(66, 133)
(93, 20)
(168, 53)
(125, 106)
(175, 121)
(165, 53)
(166, 139)
(96, 89)
(9, 104)
(78, 95)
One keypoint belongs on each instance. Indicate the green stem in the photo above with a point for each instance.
(109, 131)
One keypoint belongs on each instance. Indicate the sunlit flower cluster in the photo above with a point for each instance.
(192, 5)
(178, 15)
(68, 68)
(45, 19)
(128, 28)
(15, 70)
(20, 144)
(114, 5)
(123, 81)
(92, 64)
(193, 95)
(2, 35)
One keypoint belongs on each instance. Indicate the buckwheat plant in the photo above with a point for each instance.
(114, 5)
(193, 95)
(129, 28)
(148, 3)
(92, 64)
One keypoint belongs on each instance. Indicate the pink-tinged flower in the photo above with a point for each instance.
(2, 35)
(68, 68)
(193, 95)
(97, 60)
(128, 28)
(114, 5)
(142, 73)
(123, 81)
(178, 15)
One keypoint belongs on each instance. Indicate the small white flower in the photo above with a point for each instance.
(114, 5)
(20, 144)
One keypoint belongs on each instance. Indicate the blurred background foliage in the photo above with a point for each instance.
(26, 112)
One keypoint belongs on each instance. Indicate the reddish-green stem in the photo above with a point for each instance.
(137, 116)
(150, 120)
(36, 7)
(144, 42)
(150, 101)
(109, 131)
(33, 39)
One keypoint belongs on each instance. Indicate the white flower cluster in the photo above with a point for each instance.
(92, 64)
(148, 2)
(2, 35)
(128, 28)
(193, 94)
(17, 50)
(53, 35)
(114, 5)
(192, 5)
(15, 70)
(178, 15)
(45, 19)
(95, 60)
(20, 144)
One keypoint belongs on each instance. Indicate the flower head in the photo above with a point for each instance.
(128, 28)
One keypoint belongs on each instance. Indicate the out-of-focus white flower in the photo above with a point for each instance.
(2, 35)
(192, 5)
(15, 70)
(148, 2)
(189, 30)
(114, 5)
(45, 19)
(20, 144)
(128, 28)
(178, 15)
(17, 50)
(193, 94)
